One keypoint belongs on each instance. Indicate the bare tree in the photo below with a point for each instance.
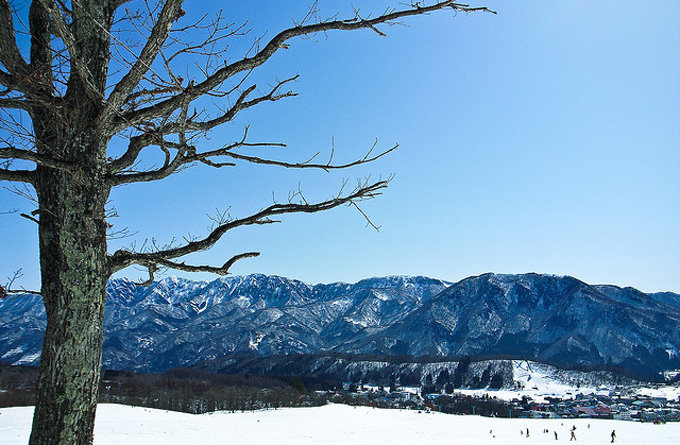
(104, 69)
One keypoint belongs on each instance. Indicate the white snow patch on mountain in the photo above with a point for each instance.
(382, 296)
(12, 352)
(361, 323)
(28, 359)
(668, 375)
(253, 343)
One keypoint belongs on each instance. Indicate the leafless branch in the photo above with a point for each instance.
(38, 158)
(8, 80)
(9, 51)
(30, 217)
(187, 154)
(155, 136)
(16, 103)
(242, 103)
(159, 33)
(41, 50)
(306, 164)
(79, 65)
(27, 176)
(124, 258)
(7, 289)
(279, 41)
(153, 266)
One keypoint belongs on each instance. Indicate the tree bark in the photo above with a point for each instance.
(72, 231)
(72, 238)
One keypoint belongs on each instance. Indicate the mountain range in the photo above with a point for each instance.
(179, 323)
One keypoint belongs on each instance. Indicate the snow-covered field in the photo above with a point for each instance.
(336, 424)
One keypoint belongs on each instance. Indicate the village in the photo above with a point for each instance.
(615, 404)
(618, 404)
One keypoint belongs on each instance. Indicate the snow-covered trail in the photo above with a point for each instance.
(336, 424)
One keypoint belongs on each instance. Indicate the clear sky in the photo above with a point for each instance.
(542, 139)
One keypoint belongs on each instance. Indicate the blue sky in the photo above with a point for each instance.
(542, 139)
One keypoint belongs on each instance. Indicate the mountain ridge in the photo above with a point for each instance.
(178, 322)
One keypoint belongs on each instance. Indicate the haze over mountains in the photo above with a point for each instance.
(178, 323)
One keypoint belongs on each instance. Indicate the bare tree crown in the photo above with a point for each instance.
(86, 66)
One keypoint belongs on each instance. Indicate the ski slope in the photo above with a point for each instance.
(336, 424)
(539, 381)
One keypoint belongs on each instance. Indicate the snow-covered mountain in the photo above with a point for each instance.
(543, 317)
(177, 322)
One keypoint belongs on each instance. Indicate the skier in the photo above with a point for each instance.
(555, 434)
(527, 432)
(613, 436)
(573, 436)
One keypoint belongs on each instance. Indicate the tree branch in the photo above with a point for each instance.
(27, 176)
(6, 290)
(41, 47)
(155, 136)
(169, 167)
(62, 30)
(326, 167)
(186, 154)
(242, 104)
(165, 107)
(115, 4)
(9, 51)
(15, 103)
(8, 80)
(153, 266)
(41, 159)
(124, 258)
(154, 43)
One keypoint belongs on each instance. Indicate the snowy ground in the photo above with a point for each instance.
(540, 381)
(535, 383)
(336, 424)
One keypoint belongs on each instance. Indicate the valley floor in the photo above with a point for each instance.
(337, 424)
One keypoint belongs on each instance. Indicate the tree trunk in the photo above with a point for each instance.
(74, 272)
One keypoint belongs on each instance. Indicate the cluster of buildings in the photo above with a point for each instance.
(620, 404)
(614, 405)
